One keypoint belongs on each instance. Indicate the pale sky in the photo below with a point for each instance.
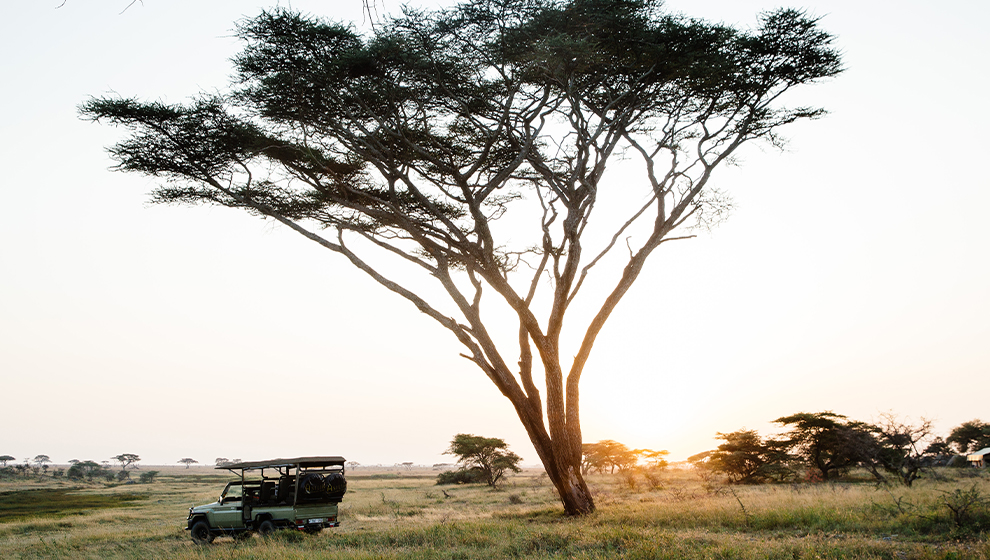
(852, 276)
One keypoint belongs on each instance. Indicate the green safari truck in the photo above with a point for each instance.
(300, 493)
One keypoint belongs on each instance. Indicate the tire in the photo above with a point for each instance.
(266, 528)
(200, 533)
(336, 485)
(312, 485)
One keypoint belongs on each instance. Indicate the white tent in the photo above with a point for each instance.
(979, 458)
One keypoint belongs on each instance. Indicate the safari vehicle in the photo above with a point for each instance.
(300, 493)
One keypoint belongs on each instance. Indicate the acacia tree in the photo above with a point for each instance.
(970, 436)
(126, 460)
(827, 442)
(746, 458)
(411, 142)
(607, 454)
(488, 456)
(899, 447)
(188, 461)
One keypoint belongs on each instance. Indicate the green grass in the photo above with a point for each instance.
(48, 502)
(404, 515)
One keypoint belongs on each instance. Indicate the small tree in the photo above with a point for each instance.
(148, 477)
(125, 460)
(188, 461)
(899, 447)
(4, 459)
(85, 469)
(826, 442)
(745, 458)
(42, 461)
(221, 461)
(491, 456)
(607, 454)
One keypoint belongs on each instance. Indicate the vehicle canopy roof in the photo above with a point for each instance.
(328, 461)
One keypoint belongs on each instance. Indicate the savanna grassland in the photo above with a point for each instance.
(403, 514)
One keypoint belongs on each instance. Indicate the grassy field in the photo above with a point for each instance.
(392, 514)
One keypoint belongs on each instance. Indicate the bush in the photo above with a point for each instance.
(461, 476)
(148, 477)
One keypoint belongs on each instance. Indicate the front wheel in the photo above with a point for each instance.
(266, 528)
(200, 533)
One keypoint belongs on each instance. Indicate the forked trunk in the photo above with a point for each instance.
(574, 492)
(567, 479)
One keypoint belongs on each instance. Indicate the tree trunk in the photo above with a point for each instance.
(566, 478)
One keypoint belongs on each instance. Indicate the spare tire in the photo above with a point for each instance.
(312, 485)
(335, 483)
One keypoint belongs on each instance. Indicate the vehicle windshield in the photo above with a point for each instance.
(232, 492)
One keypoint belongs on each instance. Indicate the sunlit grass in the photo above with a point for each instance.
(405, 515)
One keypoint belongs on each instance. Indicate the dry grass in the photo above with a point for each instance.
(389, 514)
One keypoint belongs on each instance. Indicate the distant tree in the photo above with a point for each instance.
(353, 464)
(461, 476)
(654, 459)
(747, 458)
(86, 469)
(126, 459)
(187, 461)
(969, 437)
(221, 461)
(412, 143)
(826, 442)
(41, 460)
(407, 465)
(607, 454)
(4, 459)
(700, 458)
(939, 449)
(148, 477)
(900, 449)
(491, 456)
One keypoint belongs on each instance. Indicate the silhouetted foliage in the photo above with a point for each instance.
(126, 460)
(969, 437)
(747, 458)
(412, 143)
(490, 456)
(607, 455)
(826, 442)
(87, 469)
(899, 448)
(188, 461)
(4, 459)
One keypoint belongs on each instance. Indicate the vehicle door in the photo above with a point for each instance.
(227, 515)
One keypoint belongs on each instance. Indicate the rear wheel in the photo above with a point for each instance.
(266, 528)
(200, 533)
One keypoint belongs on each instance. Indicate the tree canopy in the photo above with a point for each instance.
(970, 436)
(473, 145)
(490, 457)
(126, 459)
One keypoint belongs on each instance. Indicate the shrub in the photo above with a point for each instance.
(148, 477)
(461, 476)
